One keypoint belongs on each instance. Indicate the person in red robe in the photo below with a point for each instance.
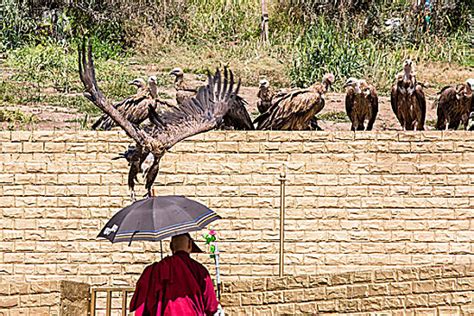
(177, 285)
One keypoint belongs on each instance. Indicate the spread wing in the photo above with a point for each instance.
(93, 93)
(199, 114)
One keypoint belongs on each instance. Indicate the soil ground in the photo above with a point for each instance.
(333, 118)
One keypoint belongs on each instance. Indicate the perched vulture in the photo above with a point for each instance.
(470, 123)
(408, 99)
(199, 114)
(362, 104)
(134, 108)
(454, 106)
(237, 118)
(184, 90)
(139, 83)
(265, 96)
(295, 109)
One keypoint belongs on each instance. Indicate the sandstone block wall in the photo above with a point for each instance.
(44, 298)
(407, 291)
(354, 201)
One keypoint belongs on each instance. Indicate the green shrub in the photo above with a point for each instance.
(326, 48)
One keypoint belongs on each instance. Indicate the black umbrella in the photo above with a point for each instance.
(157, 218)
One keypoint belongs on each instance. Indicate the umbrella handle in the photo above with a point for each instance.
(161, 249)
(131, 238)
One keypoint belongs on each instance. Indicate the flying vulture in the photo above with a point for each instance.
(454, 106)
(295, 109)
(199, 114)
(237, 118)
(265, 96)
(362, 104)
(134, 108)
(408, 99)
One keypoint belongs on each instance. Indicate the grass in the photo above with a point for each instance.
(16, 118)
(334, 116)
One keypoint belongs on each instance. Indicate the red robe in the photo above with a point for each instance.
(177, 285)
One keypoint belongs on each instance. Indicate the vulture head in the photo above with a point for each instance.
(328, 80)
(138, 82)
(364, 87)
(177, 72)
(408, 66)
(152, 80)
(264, 84)
(351, 82)
(359, 85)
(469, 86)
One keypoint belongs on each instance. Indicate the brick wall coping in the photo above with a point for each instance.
(251, 136)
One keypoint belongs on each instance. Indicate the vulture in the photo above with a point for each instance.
(454, 105)
(134, 108)
(295, 109)
(139, 83)
(237, 118)
(201, 113)
(470, 123)
(183, 89)
(362, 104)
(265, 96)
(408, 99)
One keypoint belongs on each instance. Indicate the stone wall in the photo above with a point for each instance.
(407, 291)
(354, 201)
(44, 298)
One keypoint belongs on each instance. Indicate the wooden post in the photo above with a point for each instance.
(264, 26)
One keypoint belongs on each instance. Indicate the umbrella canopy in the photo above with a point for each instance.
(157, 218)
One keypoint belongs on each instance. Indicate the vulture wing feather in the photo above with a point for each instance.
(196, 115)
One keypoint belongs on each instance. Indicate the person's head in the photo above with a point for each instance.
(183, 242)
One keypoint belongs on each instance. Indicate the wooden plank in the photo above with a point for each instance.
(124, 302)
(108, 310)
(93, 299)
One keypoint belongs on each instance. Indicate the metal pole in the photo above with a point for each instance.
(218, 273)
(282, 222)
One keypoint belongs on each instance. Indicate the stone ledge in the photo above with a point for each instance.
(436, 287)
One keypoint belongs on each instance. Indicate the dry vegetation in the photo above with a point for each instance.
(39, 75)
